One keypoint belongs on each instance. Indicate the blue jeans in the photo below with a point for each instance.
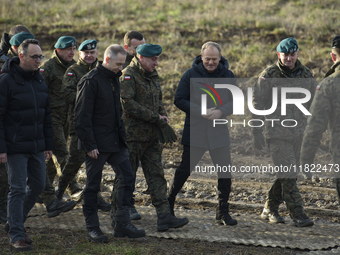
(26, 178)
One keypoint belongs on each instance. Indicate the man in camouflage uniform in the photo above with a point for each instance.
(132, 40)
(87, 61)
(143, 115)
(53, 71)
(7, 51)
(284, 142)
(325, 111)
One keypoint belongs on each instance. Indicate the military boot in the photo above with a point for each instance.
(222, 215)
(127, 229)
(272, 215)
(302, 221)
(103, 205)
(166, 221)
(134, 215)
(59, 193)
(172, 205)
(59, 206)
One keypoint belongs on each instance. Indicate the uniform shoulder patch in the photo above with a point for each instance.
(318, 87)
(69, 74)
(42, 70)
(263, 78)
(126, 78)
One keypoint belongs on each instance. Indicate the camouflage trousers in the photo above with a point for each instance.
(284, 187)
(60, 122)
(75, 160)
(3, 187)
(150, 156)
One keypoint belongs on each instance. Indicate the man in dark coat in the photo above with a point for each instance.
(199, 135)
(101, 131)
(26, 136)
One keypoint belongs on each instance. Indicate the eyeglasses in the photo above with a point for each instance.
(36, 57)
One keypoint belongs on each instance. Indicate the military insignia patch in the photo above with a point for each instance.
(318, 87)
(42, 70)
(262, 78)
(127, 78)
(69, 74)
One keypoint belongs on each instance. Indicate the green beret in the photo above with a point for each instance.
(17, 39)
(336, 41)
(149, 50)
(65, 42)
(288, 45)
(89, 44)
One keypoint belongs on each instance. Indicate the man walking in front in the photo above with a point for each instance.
(284, 142)
(101, 131)
(26, 136)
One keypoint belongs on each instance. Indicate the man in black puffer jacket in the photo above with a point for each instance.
(26, 136)
(199, 133)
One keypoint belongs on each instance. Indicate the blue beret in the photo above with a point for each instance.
(336, 41)
(89, 44)
(65, 42)
(149, 50)
(288, 45)
(17, 39)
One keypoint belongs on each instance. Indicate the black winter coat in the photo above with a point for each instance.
(98, 111)
(25, 114)
(188, 99)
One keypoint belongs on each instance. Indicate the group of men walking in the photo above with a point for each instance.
(112, 112)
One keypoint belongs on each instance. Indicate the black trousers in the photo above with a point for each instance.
(94, 168)
(190, 157)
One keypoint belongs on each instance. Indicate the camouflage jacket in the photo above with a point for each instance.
(53, 71)
(71, 78)
(142, 102)
(325, 111)
(4, 57)
(263, 100)
(128, 60)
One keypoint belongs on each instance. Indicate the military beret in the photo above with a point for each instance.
(149, 50)
(17, 39)
(288, 45)
(89, 44)
(65, 42)
(336, 41)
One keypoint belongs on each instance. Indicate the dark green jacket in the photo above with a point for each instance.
(53, 71)
(142, 102)
(325, 112)
(263, 100)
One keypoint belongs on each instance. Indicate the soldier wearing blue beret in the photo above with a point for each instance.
(53, 71)
(144, 116)
(284, 142)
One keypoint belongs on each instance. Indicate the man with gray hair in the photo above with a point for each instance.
(199, 134)
(102, 134)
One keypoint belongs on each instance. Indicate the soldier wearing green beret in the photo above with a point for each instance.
(144, 114)
(7, 51)
(325, 111)
(88, 53)
(53, 71)
(284, 142)
(132, 40)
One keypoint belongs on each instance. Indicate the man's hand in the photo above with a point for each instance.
(258, 141)
(3, 157)
(93, 154)
(213, 113)
(48, 154)
(164, 117)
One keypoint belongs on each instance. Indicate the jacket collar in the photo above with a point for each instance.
(335, 67)
(138, 67)
(89, 67)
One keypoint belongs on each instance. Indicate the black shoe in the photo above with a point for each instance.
(3, 216)
(27, 238)
(77, 195)
(59, 193)
(96, 235)
(127, 229)
(166, 221)
(134, 215)
(59, 207)
(222, 215)
(103, 205)
(172, 205)
(303, 221)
